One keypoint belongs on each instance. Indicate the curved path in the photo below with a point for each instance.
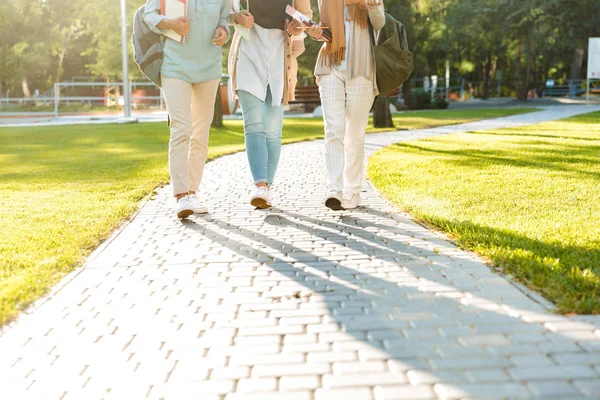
(295, 303)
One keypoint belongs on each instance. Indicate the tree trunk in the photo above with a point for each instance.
(63, 53)
(61, 60)
(530, 58)
(406, 86)
(521, 86)
(487, 66)
(218, 117)
(382, 117)
(576, 64)
(25, 86)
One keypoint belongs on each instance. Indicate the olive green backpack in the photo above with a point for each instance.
(393, 60)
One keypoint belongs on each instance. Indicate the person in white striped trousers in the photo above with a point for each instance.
(345, 74)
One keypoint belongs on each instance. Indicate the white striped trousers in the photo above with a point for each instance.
(346, 104)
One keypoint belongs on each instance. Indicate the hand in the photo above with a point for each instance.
(294, 28)
(244, 18)
(373, 3)
(180, 25)
(315, 32)
(220, 36)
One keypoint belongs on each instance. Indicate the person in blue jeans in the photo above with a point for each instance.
(263, 67)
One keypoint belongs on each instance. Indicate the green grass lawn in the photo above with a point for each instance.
(526, 198)
(64, 189)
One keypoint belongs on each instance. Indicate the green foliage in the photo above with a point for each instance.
(526, 198)
(527, 40)
(418, 100)
(440, 104)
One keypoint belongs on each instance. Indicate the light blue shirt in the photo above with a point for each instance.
(197, 59)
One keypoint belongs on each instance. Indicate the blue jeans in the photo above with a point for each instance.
(263, 124)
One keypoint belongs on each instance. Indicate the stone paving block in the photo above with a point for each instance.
(247, 386)
(304, 395)
(196, 390)
(403, 392)
(487, 375)
(530, 360)
(358, 378)
(275, 358)
(346, 394)
(453, 350)
(308, 347)
(552, 389)
(280, 370)
(491, 361)
(589, 387)
(328, 356)
(341, 368)
(577, 358)
(562, 326)
(481, 390)
(483, 340)
(296, 383)
(561, 347)
(517, 349)
(423, 377)
(271, 330)
(553, 372)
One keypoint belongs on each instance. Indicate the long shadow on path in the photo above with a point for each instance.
(409, 315)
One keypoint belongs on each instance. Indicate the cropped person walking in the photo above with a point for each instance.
(190, 77)
(345, 74)
(263, 65)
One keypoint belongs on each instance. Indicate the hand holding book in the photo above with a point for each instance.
(180, 25)
(177, 25)
(310, 25)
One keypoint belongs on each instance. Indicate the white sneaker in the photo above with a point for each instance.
(198, 207)
(351, 201)
(334, 200)
(261, 198)
(185, 208)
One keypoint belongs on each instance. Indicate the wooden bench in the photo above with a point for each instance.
(308, 96)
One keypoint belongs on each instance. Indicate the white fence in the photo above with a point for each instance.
(56, 98)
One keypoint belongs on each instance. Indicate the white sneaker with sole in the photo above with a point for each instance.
(198, 207)
(261, 198)
(185, 208)
(333, 200)
(351, 201)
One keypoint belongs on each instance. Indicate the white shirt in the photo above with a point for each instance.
(344, 64)
(261, 64)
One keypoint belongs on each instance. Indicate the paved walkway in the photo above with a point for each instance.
(294, 303)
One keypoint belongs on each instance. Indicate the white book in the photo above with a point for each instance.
(173, 9)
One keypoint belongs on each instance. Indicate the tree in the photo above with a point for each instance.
(217, 121)
(382, 117)
(26, 54)
(105, 45)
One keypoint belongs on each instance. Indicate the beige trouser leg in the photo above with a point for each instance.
(191, 108)
(346, 104)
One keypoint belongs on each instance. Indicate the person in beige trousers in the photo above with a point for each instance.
(190, 77)
(345, 74)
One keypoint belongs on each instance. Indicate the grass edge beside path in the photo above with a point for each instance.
(83, 194)
(525, 198)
